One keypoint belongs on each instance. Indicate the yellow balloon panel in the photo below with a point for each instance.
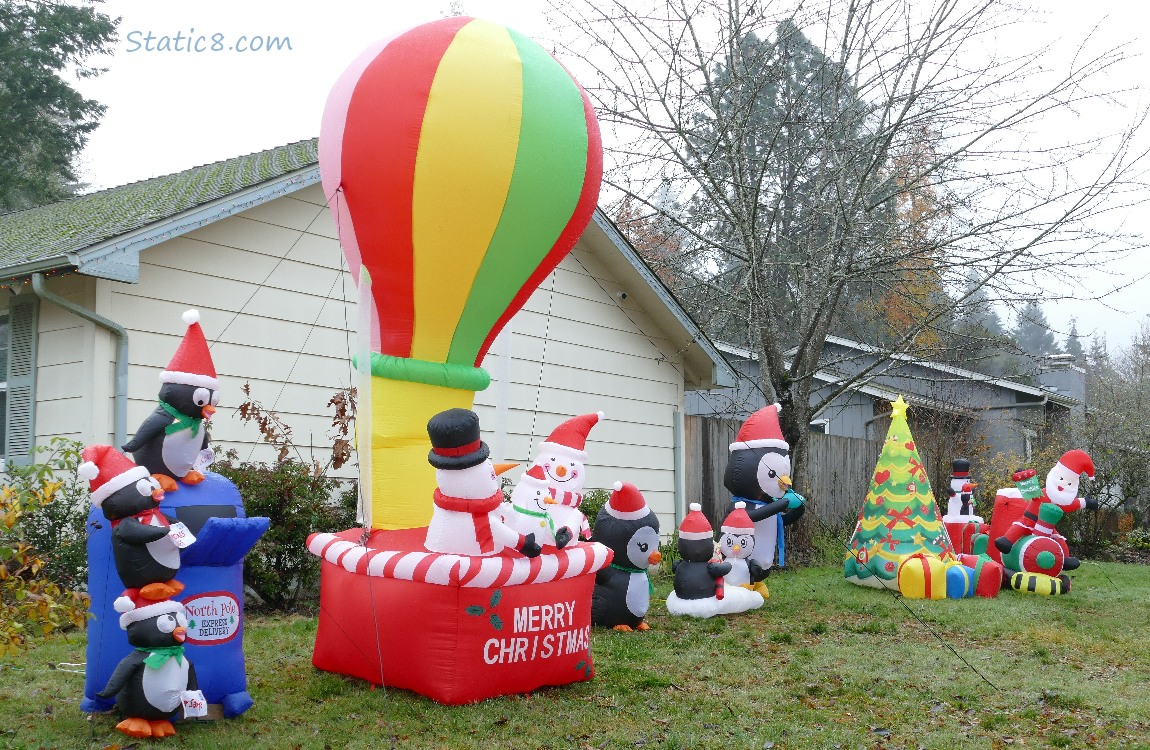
(402, 480)
(467, 150)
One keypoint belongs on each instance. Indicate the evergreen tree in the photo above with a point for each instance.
(44, 122)
(1074, 343)
(1032, 331)
(899, 516)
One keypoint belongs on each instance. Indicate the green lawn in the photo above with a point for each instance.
(823, 664)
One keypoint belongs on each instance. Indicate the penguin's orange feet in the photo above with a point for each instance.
(134, 727)
(193, 477)
(762, 589)
(162, 728)
(161, 590)
(167, 484)
(642, 626)
(622, 628)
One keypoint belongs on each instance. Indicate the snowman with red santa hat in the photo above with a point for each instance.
(560, 465)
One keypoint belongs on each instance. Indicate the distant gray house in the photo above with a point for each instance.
(1008, 416)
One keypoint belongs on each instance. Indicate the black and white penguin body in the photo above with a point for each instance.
(170, 440)
(630, 529)
(141, 545)
(700, 586)
(149, 682)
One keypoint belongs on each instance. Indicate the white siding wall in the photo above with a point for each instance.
(279, 313)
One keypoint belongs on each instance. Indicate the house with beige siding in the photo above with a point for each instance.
(96, 287)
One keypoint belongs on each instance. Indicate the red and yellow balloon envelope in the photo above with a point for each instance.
(462, 163)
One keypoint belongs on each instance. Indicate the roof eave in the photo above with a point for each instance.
(709, 368)
(43, 265)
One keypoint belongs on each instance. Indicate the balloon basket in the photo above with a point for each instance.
(454, 628)
(212, 571)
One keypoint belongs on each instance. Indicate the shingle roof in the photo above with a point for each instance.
(56, 229)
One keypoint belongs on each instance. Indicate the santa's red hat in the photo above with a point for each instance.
(695, 525)
(737, 521)
(107, 470)
(134, 608)
(569, 439)
(192, 363)
(1078, 461)
(761, 430)
(626, 502)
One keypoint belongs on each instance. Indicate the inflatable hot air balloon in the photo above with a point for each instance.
(462, 163)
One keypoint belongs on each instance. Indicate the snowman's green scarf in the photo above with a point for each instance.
(182, 421)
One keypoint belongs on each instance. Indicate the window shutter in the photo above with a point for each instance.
(23, 314)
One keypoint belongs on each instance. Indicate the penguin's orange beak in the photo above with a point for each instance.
(785, 481)
(502, 468)
(654, 558)
(208, 411)
(158, 494)
(180, 634)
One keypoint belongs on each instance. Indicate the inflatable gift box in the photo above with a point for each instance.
(455, 628)
(922, 576)
(213, 595)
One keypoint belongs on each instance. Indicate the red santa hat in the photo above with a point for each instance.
(192, 363)
(737, 521)
(107, 470)
(1078, 462)
(134, 608)
(626, 502)
(695, 525)
(569, 439)
(761, 430)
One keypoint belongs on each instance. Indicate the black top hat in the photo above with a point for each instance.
(455, 442)
(960, 467)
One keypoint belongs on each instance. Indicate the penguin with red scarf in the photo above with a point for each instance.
(144, 548)
(468, 502)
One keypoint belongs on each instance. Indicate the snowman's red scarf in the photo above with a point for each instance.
(563, 497)
(145, 517)
(479, 510)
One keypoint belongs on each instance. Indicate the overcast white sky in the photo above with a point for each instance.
(168, 111)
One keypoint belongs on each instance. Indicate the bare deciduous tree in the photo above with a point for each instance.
(821, 155)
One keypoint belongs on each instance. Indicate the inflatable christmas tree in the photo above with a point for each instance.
(899, 516)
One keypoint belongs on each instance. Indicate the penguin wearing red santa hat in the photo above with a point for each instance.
(173, 440)
(630, 529)
(1060, 496)
(759, 474)
(147, 558)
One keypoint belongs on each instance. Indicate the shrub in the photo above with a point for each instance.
(296, 493)
(43, 557)
(593, 502)
(298, 501)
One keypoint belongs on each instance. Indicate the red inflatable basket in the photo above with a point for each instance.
(455, 628)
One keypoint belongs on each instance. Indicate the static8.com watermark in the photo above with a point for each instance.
(193, 42)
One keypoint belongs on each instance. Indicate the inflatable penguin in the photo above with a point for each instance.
(562, 460)
(147, 557)
(467, 515)
(736, 546)
(623, 590)
(758, 474)
(173, 442)
(151, 681)
(700, 588)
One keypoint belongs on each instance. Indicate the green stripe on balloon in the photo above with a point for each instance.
(545, 187)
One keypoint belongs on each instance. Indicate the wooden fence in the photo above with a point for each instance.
(835, 484)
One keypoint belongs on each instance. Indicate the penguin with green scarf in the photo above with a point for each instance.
(150, 682)
(172, 442)
(630, 529)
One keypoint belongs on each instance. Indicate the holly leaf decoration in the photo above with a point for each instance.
(496, 622)
(496, 596)
(475, 610)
